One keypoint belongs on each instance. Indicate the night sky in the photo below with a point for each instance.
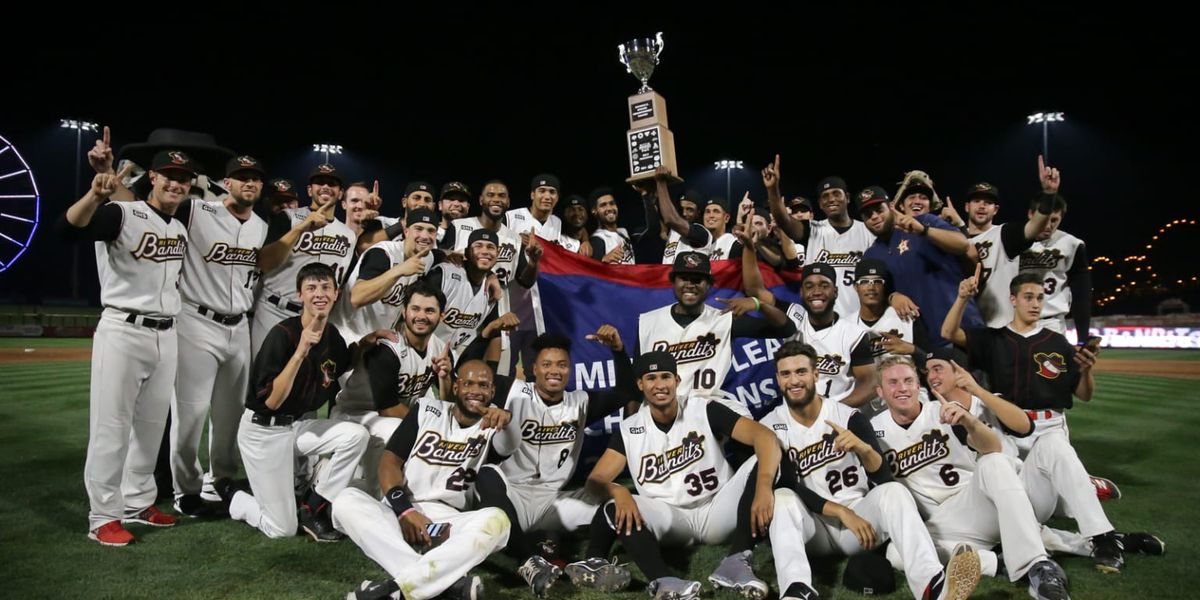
(866, 93)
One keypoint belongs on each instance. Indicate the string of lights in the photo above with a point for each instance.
(1137, 276)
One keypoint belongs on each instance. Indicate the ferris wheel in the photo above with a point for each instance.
(20, 205)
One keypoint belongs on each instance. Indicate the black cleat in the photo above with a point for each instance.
(799, 591)
(1143, 543)
(1047, 581)
(468, 587)
(192, 505)
(318, 526)
(1107, 553)
(376, 590)
(539, 574)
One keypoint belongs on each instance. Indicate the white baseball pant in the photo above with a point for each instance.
(380, 429)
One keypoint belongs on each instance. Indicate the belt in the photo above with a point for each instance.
(150, 322)
(218, 317)
(285, 304)
(272, 420)
(1043, 414)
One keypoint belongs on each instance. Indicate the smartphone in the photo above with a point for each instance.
(438, 532)
(1093, 344)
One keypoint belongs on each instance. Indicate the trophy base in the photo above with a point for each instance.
(672, 178)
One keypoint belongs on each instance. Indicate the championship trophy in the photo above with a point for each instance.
(649, 141)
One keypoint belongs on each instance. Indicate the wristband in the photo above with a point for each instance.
(757, 305)
(397, 499)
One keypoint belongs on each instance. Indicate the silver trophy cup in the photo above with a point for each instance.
(640, 56)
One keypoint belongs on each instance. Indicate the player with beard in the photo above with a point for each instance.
(417, 194)
(472, 290)
(610, 243)
(575, 220)
(454, 204)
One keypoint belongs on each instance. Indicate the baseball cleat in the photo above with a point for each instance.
(958, 579)
(193, 505)
(1143, 543)
(599, 574)
(539, 574)
(468, 587)
(152, 517)
(318, 526)
(800, 591)
(1107, 553)
(111, 533)
(1047, 581)
(1105, 488)
(376, 590)
(734, 573)
(673, 588)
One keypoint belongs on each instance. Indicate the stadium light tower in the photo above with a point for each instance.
(1045, 118)
(79, 127)
(728, 166)
(327, 149)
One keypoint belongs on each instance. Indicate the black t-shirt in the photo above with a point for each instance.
(720, 418)
(316, 380)
(1035, 372)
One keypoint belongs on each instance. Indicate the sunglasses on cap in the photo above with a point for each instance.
(870, 281)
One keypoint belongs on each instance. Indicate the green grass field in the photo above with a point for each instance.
(1134, 432)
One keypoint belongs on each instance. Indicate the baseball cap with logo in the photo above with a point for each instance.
(984, 190)
(484, 235)
(244, 163)
(456, 189)
(693, 196)
(832, 182)
(693, 263)
(870, 197)
(325, 170)
(799, 201)
(719, 201)
(173, 160)
(418, 186)
(870, 267)
(421, 215)
(654, 362)
(545, 180)
(869, 574)
(948, 354)
(821, 269)
(282, 187)
(576, 200)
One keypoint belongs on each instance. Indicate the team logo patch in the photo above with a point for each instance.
(431, 448)
(830, 364)
(1046, 259)
(933, 447)
(1050, 364)
(814, 456)
(506, 254)
(178, 158)
(413, 385)
(984, 249)
(657, 468)
(319, 245)
(246, 161)
(160, 249)
(537, 434)
(329, 372)
(461, 320)
(691, 261)
(903, 246)
(283, 186)
(839, 259)
(699, 349)
(224, 254)
(325, 169)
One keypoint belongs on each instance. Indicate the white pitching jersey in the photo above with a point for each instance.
(701, 350)
(542, 442)
(1054, 258)
(616, 239)
(890, 323)
(834, 474)
(683, 467)
(446, 456)
(842, 251)
(927, 457)
(677, 245)
(466, 308)
(220, 271)
(722, 246)
(414, 377)
(998, 271)
(354, 323)
(520, 221)
(834, 345)
(332, 244)
(141, 270)
(510, 244)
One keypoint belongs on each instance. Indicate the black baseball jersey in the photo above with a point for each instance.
(1035, 371)
(317, 379)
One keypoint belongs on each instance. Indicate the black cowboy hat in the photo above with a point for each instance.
(201, 147)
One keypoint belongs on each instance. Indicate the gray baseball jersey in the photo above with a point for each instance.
(354, 323)
(702, 349)
(616, 239)
(722, 247)
(842, 251)
(141, 274)
(510, 244)
(836, 475)
(891, 323)
(412, 371)
(220, 271)
(542, 442)
(445, 457)
(927, 456)
(466, 307)
(676, 245)
(835, 346)
(685, 466)
(1054, 258)
(332, 244)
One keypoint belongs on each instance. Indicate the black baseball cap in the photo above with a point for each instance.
(174, 160)
(325, 170)
(915, 187)
(456, 188)
(545, 180)
(947, 354)
(872, 267)
(654, 362)
(691, 263)
(244, 163)
(282, 187)
(599, 193)
(869, 574)
(693, 196)
(576, 200)
(821, 269)
(984, 190)
(719, 201)
(420, 215)
(797, 201)
(830, 183)
(482, 234)
(870, 197)
(418, 186)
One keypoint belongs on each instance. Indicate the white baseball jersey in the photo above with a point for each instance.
(927, 456)
(332, 244)
(510, 244)
(842, 251)
(354, 323)
(890, 322)
(998, 271)
(683, 467)
(220, 268)
(722, 246)
(676, 245)
(542, 442)
(520, 220)
(466, 307)
(616, 239)
(414, 376)
(446, 456)
(1053, 257)
(834, 345)
(702, 349)
(141, 273)
(834, 474)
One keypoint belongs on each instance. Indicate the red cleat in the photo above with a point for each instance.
(111, 534)
(152, 517)
(1106, 489)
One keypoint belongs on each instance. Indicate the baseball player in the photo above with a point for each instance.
(889, 333)
(543, 443)
(135, 346)
(493, 203)
(539, 218)
(472, 290)
(700, 336)
(417, 194)
(359, 206)
(296, 237)
(378, 281)
(217, 289)
(423, 532)
(716, 220)
(834, 452)
(967, 490)
(454, 204)
(686, 491)
(295, 373)
(683, 233)
(998, 247)
(1039, 370)
(610, 244)
(838, 241)
(280, 194)
(575, 221)
(392, 376)
(1062, 260)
